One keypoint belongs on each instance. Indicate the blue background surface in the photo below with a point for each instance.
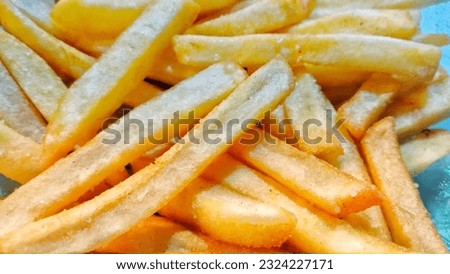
(436, 19)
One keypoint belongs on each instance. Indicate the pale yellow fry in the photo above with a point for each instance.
(417, 111)
(410, 60)
(356, 4)
(111, 150)
(111, 17)
(437, 39)
(259, 17)
(230, 217)
(311, 112)
(392, 23)
(101, 90)
(19, 155)
(142, 94)
(316, 231)
(311, 178)
(424, 149)
(372, 219)
(407, 217)
(38, 11)
(60, 56)
(74, 17)
(36, 78)
(17, 111)
(153, 187)
(368, 104)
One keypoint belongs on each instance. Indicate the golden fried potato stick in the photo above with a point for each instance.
(424, 149)
(409, 60)
(419, 110)
(38, 11)
(310, 111)
(147, 191)
(36, 78)
(117, 146)
(258, 17)
(368, 104)
(437, 39)
(17, 111)
(60, 56)
(393, 23)
(311, 178)
(111, 17)
(19, 155)
(407, 217)
(372, 219)
(316, 231)
(230, 217)
(375, 4)
(101, 90)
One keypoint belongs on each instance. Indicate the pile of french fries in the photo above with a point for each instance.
(326, 106)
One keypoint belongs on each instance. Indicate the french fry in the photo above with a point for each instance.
(62, 57)
(336, 236)
(156, 184)
(38, 11)
(391, 23)
(16, 111)
(372, 219)
(199, 94)
(310, 112)
(258, 17)
(229, 216)
(19, 155)
(371, 4)
(112, 17)
(368, 104)
(88, 102)
(313, 179)
(410, 60)
(142, 94)
(437, 39)
(408, 220)
(421, 109)
(37, 79)
(424, 149)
